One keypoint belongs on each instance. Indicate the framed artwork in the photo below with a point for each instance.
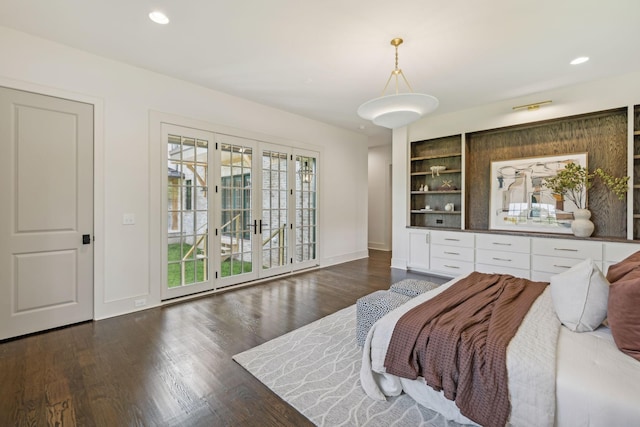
(520, 201)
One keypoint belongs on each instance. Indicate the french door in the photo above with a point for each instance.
(237, 210)
(236, 235)
(254, 235)
(306, 210)
(187, 205)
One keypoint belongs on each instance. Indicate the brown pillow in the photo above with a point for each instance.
(624, 300)
(619, 270)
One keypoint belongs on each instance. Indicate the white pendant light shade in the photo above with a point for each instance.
(393, 111)
(399, 109)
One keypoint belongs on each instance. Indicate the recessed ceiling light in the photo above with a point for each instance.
(158, 17)
(579, 60)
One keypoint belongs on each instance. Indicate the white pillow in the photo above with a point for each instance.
(580, 296)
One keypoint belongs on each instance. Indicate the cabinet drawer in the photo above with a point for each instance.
(451, 267)
(503, 243)
(616, 252)
(541, 276)
(452, 252)
(567, 248)
(498, 269)
(555, 265)
(503, 258)
(452, 239)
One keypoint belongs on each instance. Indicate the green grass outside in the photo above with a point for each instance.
(173, 269)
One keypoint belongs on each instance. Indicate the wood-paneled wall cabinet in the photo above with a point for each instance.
(436, 183)
(636, 172)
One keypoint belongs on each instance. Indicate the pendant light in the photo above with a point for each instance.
(399, 109)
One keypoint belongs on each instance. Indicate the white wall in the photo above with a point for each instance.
(124, 96)
(599, 95)
(380, 198)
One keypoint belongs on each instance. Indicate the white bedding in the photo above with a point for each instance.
(530, 364)
(597, 385)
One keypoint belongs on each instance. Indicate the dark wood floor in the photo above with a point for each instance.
(172, 366)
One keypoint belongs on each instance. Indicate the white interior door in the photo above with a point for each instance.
(46, 214)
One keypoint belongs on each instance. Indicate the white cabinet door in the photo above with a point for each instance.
(419, 249)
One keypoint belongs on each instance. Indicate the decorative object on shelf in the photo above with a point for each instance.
(449, 207)
(437, 170)
(421, 188)
(581, 226)
(426, 188)
(427, 208)
(573, 181)
(399, 109)
(447, 185)
(521, 202)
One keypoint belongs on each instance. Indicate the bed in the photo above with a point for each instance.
(555, 376)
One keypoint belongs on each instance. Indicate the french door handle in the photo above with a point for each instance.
(260, 227)
(255, 226)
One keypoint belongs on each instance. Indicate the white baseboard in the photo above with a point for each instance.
(344, 258)
(379, 246)
(398, 263)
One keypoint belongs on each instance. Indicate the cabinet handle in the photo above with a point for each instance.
(453, 240)
(451, 266)
(451, 253)
(564, 249)
(502, 259)
(561, 266)
(501, 244)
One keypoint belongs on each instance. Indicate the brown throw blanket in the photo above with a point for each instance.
(458, 342)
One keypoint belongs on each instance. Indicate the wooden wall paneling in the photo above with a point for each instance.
(636, 172)
(602, 135)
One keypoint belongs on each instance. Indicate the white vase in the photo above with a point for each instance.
(581, 225)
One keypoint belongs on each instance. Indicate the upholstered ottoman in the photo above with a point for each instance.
(372, 307)
(413, 287)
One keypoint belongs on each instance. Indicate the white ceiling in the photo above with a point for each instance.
(322, 59)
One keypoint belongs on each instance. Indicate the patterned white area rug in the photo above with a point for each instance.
(316, 369)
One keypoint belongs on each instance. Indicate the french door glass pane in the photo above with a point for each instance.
(187, 206)
(274, 209)
(237, 223)
(305, 226)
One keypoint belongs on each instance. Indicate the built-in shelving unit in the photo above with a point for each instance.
(464, 177)
(436, 183)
